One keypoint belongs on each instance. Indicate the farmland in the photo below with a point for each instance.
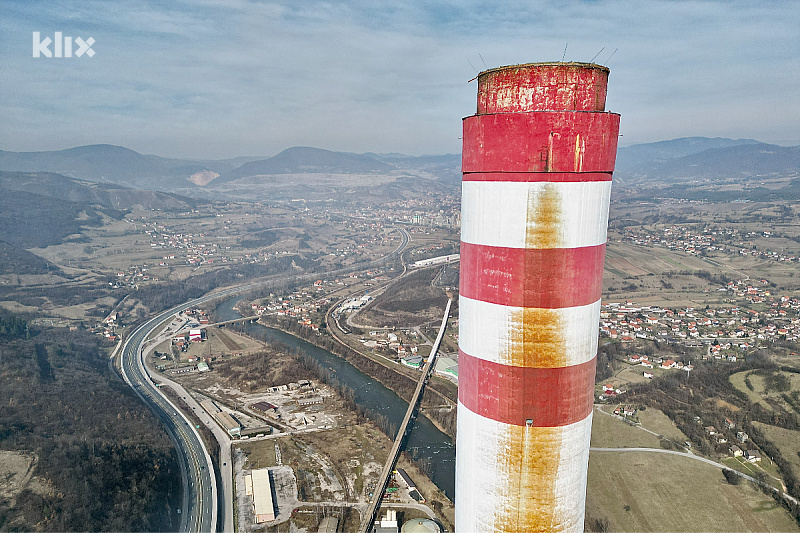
(651, 491)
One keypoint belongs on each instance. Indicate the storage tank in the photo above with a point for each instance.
(537, 162)
(420, 525)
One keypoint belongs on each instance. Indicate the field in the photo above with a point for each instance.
(640, 265)
(765, 469)
(760, 394)
(610, 432)
(737, 380)
(638, 491)
(656, 421)
(652, 491)
(656, 276)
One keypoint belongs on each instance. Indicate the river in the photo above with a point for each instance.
(425, 440)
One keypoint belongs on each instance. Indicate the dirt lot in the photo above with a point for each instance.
(16, 475)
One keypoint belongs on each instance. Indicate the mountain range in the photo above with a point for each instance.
(701, 158)
(51, 196)
(678, 159)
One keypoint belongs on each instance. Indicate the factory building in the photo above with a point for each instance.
(537, 162)
(224, 419)
(258, 486)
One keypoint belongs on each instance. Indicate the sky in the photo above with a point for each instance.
(214, 79)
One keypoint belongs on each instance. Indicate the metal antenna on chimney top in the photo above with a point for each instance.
(609, 57)
(484, 62)
(565, 52)
(597, 54)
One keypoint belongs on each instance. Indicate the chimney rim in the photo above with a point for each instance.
(577, 64)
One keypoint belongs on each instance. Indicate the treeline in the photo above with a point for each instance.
(607, 362)
(446, 419)
(12, 326)
(259, 239)
(772, 451)
(102, 452)
(716, 279)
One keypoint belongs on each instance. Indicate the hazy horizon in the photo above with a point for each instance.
(215, 80)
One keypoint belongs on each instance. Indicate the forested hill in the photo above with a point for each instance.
(103, 460)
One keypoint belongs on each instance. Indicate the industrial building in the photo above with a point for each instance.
(224, 419)
(537, 163)
(388, 524)
(443, 259)
(405, 479)
(258, 485)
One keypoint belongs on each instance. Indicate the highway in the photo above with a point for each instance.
(199, 509)
(402, 432)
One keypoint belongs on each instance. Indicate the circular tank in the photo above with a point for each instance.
(420, 525)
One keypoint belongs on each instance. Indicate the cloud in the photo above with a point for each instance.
(220, 79)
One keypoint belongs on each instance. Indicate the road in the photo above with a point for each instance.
(199, 509)
(402, 432)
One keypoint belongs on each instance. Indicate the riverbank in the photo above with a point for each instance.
(426, 442)
(444, 423)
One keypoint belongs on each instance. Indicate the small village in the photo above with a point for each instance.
(709, 239)
(762, 317)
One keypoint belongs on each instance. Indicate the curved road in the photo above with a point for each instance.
(199, 512)
(701, 459)
(199, 509)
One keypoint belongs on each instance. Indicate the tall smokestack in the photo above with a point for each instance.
(537, 163)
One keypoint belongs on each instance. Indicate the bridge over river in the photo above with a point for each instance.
(402, 433)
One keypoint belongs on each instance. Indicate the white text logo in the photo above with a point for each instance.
(62, 46)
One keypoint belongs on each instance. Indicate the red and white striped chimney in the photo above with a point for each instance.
(537, 163)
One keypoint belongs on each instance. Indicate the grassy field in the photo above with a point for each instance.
(656, 421)
(759, 392)
(610, 432)
(640, 492)
(792, 361)
(762, 468)
(737, 380)
(633, 374)
(260, 454)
